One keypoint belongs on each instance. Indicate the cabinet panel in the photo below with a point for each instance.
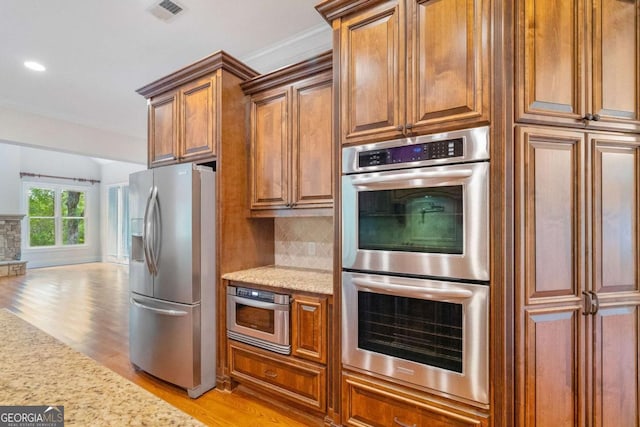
(312, 171)
(198, 120)
(616, 73)
(553, 363)
(616, 171)
(301, 382)
(309, 328)
(550, 168)
(372, 74)
(616, 373)
(448, 77)
(372, 404)
(551, 77)
(163, 130)
(270, 149)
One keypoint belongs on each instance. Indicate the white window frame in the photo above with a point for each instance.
(57, 208)
(121, 256)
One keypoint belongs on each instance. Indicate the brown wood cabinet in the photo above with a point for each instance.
(411, 67)
(368, 402)
(185, 110)
(578, 63)
(292, 153)
(578, 286)
(309, 327)
(301, 382)
(300, 378)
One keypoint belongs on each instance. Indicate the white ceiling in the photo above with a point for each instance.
(97, 53)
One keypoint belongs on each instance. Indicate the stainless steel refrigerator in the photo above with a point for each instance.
(172, 275)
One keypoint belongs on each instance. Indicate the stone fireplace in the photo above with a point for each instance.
(10, 246)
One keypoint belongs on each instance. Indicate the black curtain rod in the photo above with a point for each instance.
(35, 175)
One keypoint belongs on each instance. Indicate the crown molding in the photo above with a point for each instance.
(334, 9)
(207, 65)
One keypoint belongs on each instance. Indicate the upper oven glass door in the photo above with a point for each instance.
(430, 221)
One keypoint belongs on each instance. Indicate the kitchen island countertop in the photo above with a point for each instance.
(297, 279)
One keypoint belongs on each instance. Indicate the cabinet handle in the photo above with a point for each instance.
(588, 117)
(596, 117)
(588, 304)
(400, 423)
(595, 305)
(269, 373)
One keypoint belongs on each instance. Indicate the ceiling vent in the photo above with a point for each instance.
(166, 10)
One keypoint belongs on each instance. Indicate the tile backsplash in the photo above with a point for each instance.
(304, 242)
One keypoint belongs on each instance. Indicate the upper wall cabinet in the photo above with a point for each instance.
(578, 63)
(185, 110)
(292, 154)
(410, 67)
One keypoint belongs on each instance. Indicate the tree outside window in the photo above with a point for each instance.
(56, 216)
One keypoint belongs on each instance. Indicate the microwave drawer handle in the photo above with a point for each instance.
(258, 304)
(413, 291)
(403, 178)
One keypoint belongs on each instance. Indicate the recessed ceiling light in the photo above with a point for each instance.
(35, 66)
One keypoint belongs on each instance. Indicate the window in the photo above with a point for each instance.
(56, 216)
(118, 223)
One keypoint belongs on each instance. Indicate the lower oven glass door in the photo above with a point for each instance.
(430, 334)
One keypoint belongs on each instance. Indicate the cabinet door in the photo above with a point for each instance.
(270, 142)
(372, 74)
(616, 228)
(369, 403)
(301, 382)
(313, 154)
(448, 74)
(550, 243)
(309, 328)
(616, 64)
(163, 130)
(616, 221)
(616, 373)
(550, 78)
(198, 126)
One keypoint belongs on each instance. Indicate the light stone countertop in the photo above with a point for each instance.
(297, 279)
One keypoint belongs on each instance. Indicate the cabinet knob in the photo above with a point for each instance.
(596, 117)
(588, 117)
(409, 126)
(588, 304)
(400, 128)
(595, 306)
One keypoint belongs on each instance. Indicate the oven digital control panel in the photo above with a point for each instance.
(412, 153)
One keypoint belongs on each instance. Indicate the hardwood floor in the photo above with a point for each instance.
(86, 307)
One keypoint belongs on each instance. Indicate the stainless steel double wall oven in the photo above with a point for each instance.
(415, 258)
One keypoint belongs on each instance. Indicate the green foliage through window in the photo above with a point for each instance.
(56, 216)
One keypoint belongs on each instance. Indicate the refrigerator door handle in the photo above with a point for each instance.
(157, 230)
(163, 311)
(146, 231)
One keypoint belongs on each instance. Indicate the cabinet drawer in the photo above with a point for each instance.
(301, 382)
(372, 404)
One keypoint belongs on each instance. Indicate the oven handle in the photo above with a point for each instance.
(413, 291)
(260, 304)
(403, 178)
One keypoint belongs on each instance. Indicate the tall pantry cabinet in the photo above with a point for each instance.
(577, 212)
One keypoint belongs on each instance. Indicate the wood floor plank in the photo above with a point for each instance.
(86, 307)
